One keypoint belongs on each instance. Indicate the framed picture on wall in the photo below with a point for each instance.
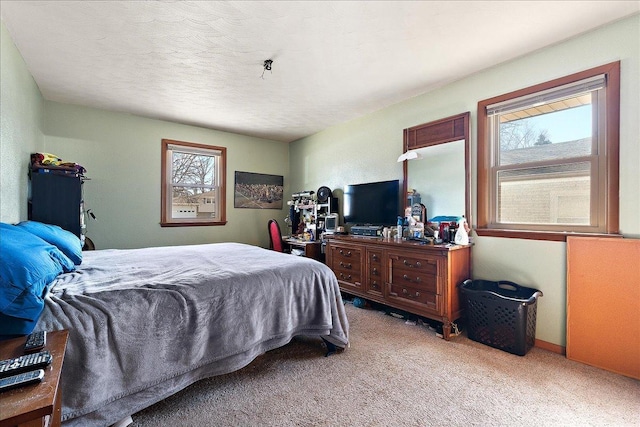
(258, 191)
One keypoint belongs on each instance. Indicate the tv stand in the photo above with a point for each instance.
(408, 275)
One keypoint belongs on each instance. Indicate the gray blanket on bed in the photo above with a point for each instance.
(145, 323)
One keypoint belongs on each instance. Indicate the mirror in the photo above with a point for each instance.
(439, 178)
(441, 175)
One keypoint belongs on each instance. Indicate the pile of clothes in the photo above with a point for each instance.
(50, 162)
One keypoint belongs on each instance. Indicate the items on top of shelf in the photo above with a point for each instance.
(50, 163)
(445, 218)
(331, 223)
(323, 194)
(462, 233)
(413, 197)
(450, 229)
(309, 210)
(305, 195)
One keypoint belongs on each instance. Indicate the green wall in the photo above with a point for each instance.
(121, 153)
(21, 110)
(366, 149)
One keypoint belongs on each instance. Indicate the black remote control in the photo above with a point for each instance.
(35, 341)
(20, 380)
(28, 362)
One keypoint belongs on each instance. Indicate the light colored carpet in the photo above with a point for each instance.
(395, 374)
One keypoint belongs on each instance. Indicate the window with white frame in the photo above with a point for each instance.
(548, 158)
(193, 184)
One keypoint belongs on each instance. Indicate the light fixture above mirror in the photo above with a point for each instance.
(410, 155)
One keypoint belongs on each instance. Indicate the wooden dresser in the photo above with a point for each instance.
(417, 278)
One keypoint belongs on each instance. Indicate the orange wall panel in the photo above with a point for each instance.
(603, 303)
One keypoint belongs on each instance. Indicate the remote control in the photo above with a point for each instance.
(28, 362)
(20, 380)
(35, 341)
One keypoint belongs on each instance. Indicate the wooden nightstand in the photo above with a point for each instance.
(38, 404)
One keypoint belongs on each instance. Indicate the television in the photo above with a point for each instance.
(372, 203)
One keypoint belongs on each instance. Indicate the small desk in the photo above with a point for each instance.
(36, 404)
(312, 249)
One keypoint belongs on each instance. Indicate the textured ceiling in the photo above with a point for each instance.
(201, 63)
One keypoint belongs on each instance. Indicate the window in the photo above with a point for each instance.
(193, 184)
(548, 158)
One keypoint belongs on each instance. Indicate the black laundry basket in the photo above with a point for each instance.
(501, 314)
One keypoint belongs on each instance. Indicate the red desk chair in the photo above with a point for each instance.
(275, 237)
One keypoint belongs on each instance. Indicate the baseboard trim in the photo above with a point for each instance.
(555, 348)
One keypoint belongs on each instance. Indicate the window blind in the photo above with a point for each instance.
(561, 92)
(194, 150)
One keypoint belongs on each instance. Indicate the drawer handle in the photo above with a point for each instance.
(374, 257)
(374, 271)
(343, 253)
(406, 277)
(374, 285)
(343, 277)
(345, 265)
(408, 264)
(407, 293)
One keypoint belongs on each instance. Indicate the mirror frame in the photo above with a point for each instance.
(449, 129)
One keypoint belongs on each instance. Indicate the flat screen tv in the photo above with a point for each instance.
(372, 203)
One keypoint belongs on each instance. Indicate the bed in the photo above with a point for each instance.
(145, 323)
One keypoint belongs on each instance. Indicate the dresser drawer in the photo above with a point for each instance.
(346, 253)
(418, 272)
(426, 282)
(353, 277)
(375, 272)
(346, 263)
(374, 258)
(414, 296)
(421, 264)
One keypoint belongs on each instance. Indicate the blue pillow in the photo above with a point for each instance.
(64, 240)
(12, 327)
(27, 267)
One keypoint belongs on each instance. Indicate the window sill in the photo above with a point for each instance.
(538, 235)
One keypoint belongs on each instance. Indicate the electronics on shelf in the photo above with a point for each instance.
(331, 223)
(367, 230)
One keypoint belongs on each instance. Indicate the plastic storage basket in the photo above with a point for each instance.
(501, 314)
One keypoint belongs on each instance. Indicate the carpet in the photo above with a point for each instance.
(400, 374)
